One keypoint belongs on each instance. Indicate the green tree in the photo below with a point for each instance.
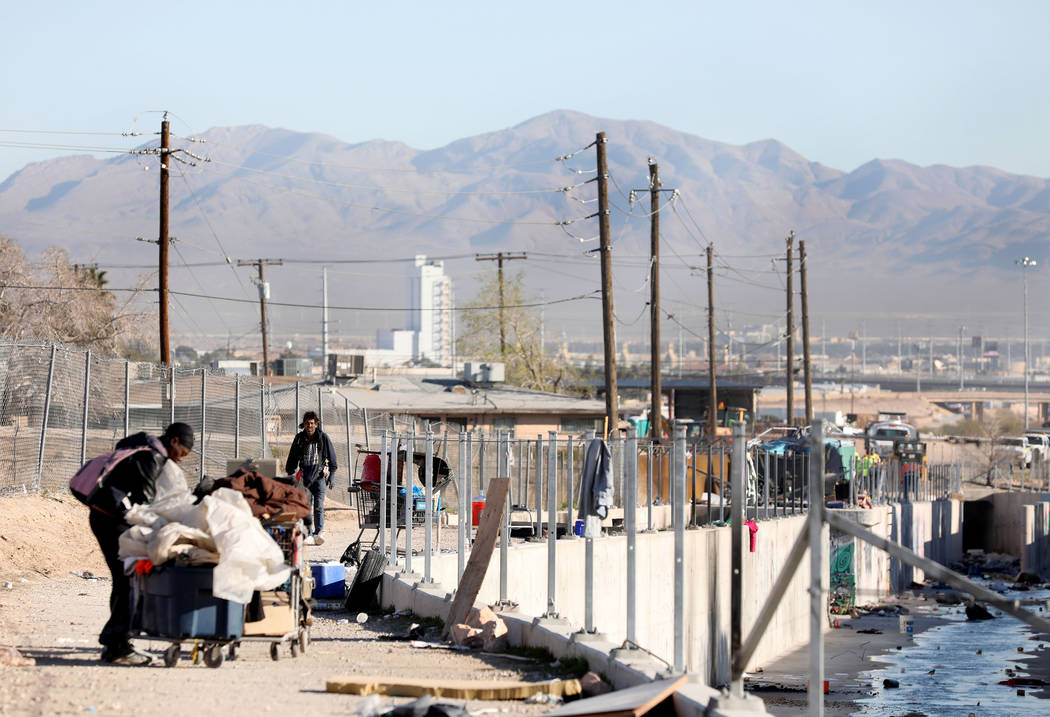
(526, 364)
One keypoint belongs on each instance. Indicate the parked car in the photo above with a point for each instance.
(1016, 449)
(1040, 445)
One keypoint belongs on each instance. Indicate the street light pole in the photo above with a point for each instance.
(1024, 264)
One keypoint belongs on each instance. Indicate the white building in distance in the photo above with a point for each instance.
(430, 313)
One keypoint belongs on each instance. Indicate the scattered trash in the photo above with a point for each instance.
(484, 629)
(1025, 682)
(86, 575)
(591, 685)
(890, 684)
(906, 624)
(543, 698)
(869, 631)
(362, 618)
(415, 632)
(977, 612)
(1020, 649)
(978, 651)
(8, 585)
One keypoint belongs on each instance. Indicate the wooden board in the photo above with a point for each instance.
(459, 689)
(480, 554)
(631, 702)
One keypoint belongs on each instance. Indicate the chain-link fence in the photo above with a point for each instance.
(60, 406)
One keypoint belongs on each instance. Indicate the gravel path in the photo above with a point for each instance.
(54, 618)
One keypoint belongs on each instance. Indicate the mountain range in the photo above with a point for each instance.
(920, 241)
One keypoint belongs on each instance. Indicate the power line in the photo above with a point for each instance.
(578, 297)
(381, 188)
(474, 170)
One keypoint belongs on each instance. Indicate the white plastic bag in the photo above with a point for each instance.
(249, 559)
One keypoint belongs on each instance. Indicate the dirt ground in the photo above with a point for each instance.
(54, 616)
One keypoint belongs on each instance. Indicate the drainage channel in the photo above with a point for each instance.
(955, 668)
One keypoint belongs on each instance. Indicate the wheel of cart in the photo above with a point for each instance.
(368, 499)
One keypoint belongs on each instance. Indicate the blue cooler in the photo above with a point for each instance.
(177, 602)
(329, 580)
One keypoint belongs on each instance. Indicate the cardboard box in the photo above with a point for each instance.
(278, 616)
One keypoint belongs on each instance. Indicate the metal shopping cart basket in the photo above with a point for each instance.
(367, 490)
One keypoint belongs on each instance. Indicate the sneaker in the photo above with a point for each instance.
(318, 539)
(310, 540)
(129, 657)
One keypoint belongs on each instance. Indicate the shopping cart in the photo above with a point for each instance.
(367, 489)
(174, 604)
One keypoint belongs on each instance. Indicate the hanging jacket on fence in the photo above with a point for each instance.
(596, 487)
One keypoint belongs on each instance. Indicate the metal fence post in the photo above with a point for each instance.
(428, 479)
(410, 498)
(320, 406)
(127, 397)
(678, 521)
(462, 487)
(395, 474)
(236, 416)
(262, 415)
(349, 449)
(384, 475)
(552, 521)
(588, 565)
(171, 407)
(630, 524)
(87, 392)
(297, 414)
(816, 569)
(538, 488)
(43, 422)
(570, 491)
(204, 415)
(502, 447)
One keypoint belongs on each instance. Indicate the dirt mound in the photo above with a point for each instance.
(46, 535)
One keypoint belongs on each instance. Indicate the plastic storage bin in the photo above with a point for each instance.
(329, 580)
(177, 602)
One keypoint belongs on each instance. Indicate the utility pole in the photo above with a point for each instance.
(264, 294)
(612, 409)
(805, 330)
(654, 299)
(712, 408)
(162, 241)
(1025, 263)
(499, 258)
(324, 324)
(790, 383)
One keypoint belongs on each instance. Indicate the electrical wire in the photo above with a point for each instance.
(225, 255)
(403, 212)
(474, 170)
(236, 300)
(199, 284)
(72, 131)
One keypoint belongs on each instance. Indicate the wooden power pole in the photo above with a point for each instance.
(654, 302)
(264, 294)
(790, 383)
(499, 258)
(806, 366)
(162, 242)
(712, 410)
(612, 409)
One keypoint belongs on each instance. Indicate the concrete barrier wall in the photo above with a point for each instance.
(1035, 553)
(707, 582)
(1008, 532)
(932, 530)
(870, 567)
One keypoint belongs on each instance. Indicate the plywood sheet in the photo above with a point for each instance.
(631, 702)
(459, 689)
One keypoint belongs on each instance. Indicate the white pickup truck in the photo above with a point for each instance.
(1015, 450)
(1040, 445)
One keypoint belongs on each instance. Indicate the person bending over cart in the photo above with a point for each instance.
(312, 452)
(130, 482)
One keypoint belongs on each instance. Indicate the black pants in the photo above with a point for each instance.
(114, 635)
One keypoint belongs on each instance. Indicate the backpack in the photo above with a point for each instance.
(89, 479)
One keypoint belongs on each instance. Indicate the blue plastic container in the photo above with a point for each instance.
(177, 602)
(329, 581)
(577, 528)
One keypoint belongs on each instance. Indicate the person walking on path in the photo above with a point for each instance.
(312, 452)
(131, 482)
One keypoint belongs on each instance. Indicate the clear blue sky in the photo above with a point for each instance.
(956, 83)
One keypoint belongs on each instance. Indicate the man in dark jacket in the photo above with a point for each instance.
(131, 482)
(312, 452)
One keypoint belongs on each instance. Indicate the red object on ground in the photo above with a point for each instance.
(753, 527)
